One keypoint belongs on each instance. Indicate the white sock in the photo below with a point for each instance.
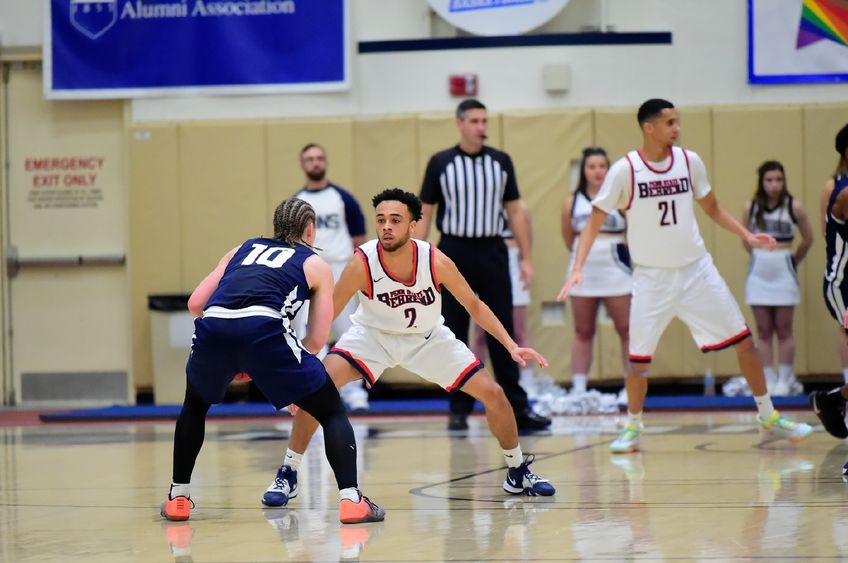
(845, 374)
(513, 457)
(292, 459)
(764, 406)
(351, 493)
(784, 371)
(634, 419)
(578, 382)
(770, 376)
(179, 490)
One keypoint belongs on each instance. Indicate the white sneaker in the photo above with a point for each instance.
(355, 396)
(779, 427)
(628, 440)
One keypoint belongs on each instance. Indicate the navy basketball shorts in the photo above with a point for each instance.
(259, 346)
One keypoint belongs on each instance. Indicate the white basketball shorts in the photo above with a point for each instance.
(438, 357)
(696, 294)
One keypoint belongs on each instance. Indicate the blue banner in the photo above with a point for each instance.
(130, 48)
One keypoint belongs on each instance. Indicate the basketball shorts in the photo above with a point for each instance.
(520, 294)
(258, 346)
(607, 271)
(696, 294)
(836, 296)
(438, 357)
(772, 280)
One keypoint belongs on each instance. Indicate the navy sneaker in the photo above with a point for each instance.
(520, 480)
(282, 488)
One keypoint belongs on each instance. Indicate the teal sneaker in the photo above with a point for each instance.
(628, 440)
(779, 427)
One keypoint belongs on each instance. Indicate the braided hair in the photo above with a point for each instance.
(291, 218)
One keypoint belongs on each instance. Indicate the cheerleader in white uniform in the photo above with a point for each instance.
(771, 288)
(607, 276)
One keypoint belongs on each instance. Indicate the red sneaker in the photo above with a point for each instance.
(356, 513)
(176, 509)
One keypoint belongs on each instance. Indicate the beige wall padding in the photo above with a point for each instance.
(223, 194)
(156, 256)
(200, 188)
(384, 154)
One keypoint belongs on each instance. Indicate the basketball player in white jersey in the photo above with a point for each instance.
(674, 275)
(398, 322)
(339, 228)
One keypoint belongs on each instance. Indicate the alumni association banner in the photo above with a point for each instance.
(133, 48)
(795, 41)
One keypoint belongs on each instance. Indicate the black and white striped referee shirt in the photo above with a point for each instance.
(470, 191)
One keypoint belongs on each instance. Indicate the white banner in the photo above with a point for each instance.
(497, 17)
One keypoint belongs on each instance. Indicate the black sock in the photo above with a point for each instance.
(189, 434)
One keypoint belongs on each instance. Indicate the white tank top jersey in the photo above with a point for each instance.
(659, 197)
(338, 218)
(581, 209)
(393, 306)
(778, 222)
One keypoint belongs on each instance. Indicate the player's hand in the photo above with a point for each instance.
(526, 272)
(520, 355)
(293, 408)
(761, 240)
(574, 280)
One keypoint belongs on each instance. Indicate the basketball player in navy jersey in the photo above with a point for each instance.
(830, 406)
(244, 310)
(674, 275)
(399, 283)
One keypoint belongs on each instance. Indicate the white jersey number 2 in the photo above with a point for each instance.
(273, 257)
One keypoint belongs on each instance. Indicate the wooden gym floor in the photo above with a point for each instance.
(701, 490)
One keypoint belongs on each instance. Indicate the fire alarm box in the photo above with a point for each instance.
(463, 84)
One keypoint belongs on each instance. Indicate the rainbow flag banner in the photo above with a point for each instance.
(823, 19)
(797, 41)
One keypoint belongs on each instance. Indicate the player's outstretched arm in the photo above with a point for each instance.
(319, 276)
(825, 199)
(204, 290)
(449, 276)
(354, 278)
(587, 237)
(725, 220)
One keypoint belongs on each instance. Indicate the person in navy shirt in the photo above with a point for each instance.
(244, 311)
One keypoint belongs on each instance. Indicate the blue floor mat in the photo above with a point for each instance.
(391, 407)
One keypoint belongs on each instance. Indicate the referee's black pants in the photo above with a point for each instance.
(485, 264)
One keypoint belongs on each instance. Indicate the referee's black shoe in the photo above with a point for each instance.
(830, 408)
(529, 421)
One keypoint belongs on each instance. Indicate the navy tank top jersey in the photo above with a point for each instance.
(836, 239)
(264, 272)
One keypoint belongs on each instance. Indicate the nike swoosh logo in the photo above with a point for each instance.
(378, 279)
(428, 336)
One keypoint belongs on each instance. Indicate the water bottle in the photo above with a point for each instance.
(709, 384)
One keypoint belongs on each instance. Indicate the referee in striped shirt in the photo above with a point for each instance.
(473, 185)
